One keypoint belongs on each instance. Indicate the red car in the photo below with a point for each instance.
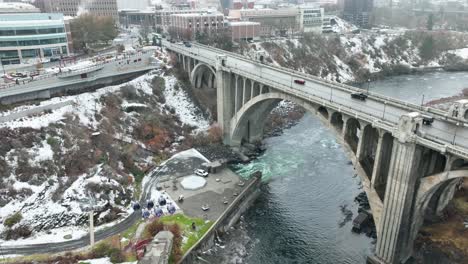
(302, 82)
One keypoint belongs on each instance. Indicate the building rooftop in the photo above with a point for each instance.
(28, 18)
(243, 23)
(17, 8)
(198, 14)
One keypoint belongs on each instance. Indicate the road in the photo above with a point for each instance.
(72, 244)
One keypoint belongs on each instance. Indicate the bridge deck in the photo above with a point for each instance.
(446, 134)
(99, 71)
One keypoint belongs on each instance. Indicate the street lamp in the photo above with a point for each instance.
(368, 84)
(89, 205)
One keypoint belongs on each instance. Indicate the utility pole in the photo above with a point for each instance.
(91, 228)
(368, 84)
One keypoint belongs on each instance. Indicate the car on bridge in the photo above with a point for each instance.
(427, 120)
(359, 96)
(301, 82)
(187, 44)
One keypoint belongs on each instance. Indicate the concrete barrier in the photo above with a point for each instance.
(33, 111)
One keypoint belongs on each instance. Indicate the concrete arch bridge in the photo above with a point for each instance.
(410, 158)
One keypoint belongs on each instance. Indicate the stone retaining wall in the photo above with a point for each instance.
(230, 216)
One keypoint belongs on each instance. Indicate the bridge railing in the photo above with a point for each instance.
(344, 87)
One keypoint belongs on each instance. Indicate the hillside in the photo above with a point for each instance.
(358, 57)
(98, 146)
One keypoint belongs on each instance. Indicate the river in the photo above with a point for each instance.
(300, 216)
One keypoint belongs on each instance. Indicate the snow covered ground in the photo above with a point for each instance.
(38, 210)
(178, 99)
(462, 53)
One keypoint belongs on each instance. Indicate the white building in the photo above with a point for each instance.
(187, 26)
(133, 4)
(163, 17)
(31, 36)
(310, 18)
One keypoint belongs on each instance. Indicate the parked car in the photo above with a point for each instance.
(202, 173)
(301, 82)
(359, 96)
(52, 59)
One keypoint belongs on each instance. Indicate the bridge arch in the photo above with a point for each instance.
(370, 140)
(337, 122)
(352, 133)
(248, 123)
(458, 164)
(203, 73)
(430, 192)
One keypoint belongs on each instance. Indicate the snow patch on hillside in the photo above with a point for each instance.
(84, 105)
(188, 113)
(462, 53)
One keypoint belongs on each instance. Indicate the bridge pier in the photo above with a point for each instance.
(395, 240)
(225, 91)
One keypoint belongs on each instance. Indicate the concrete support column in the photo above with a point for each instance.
(189, 65)
(345, 126)
(236, 94)
(224, 99)
(378, 160)
(395, 240)
(183, 62)
(244, 97)
(360, 146)
(261, 88)
(252, 86)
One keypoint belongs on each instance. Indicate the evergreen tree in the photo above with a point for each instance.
(430, 22)
(426, 50)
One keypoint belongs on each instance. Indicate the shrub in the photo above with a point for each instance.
(154, 227)
(101, 250)
(158, 84)
(22, 231)
(177, 246)
(116, 255)
(13, 219)
(129, 92)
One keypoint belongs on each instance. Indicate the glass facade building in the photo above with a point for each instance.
(32, 36)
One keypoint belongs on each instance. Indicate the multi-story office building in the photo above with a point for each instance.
(272, 21)
(186, 26)
(163, 17)
(244, 30)
(145, 17)
(310, 18)
(358, 11)
(31, 36)
(78, 7)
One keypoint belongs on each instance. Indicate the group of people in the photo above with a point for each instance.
(156, 210)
